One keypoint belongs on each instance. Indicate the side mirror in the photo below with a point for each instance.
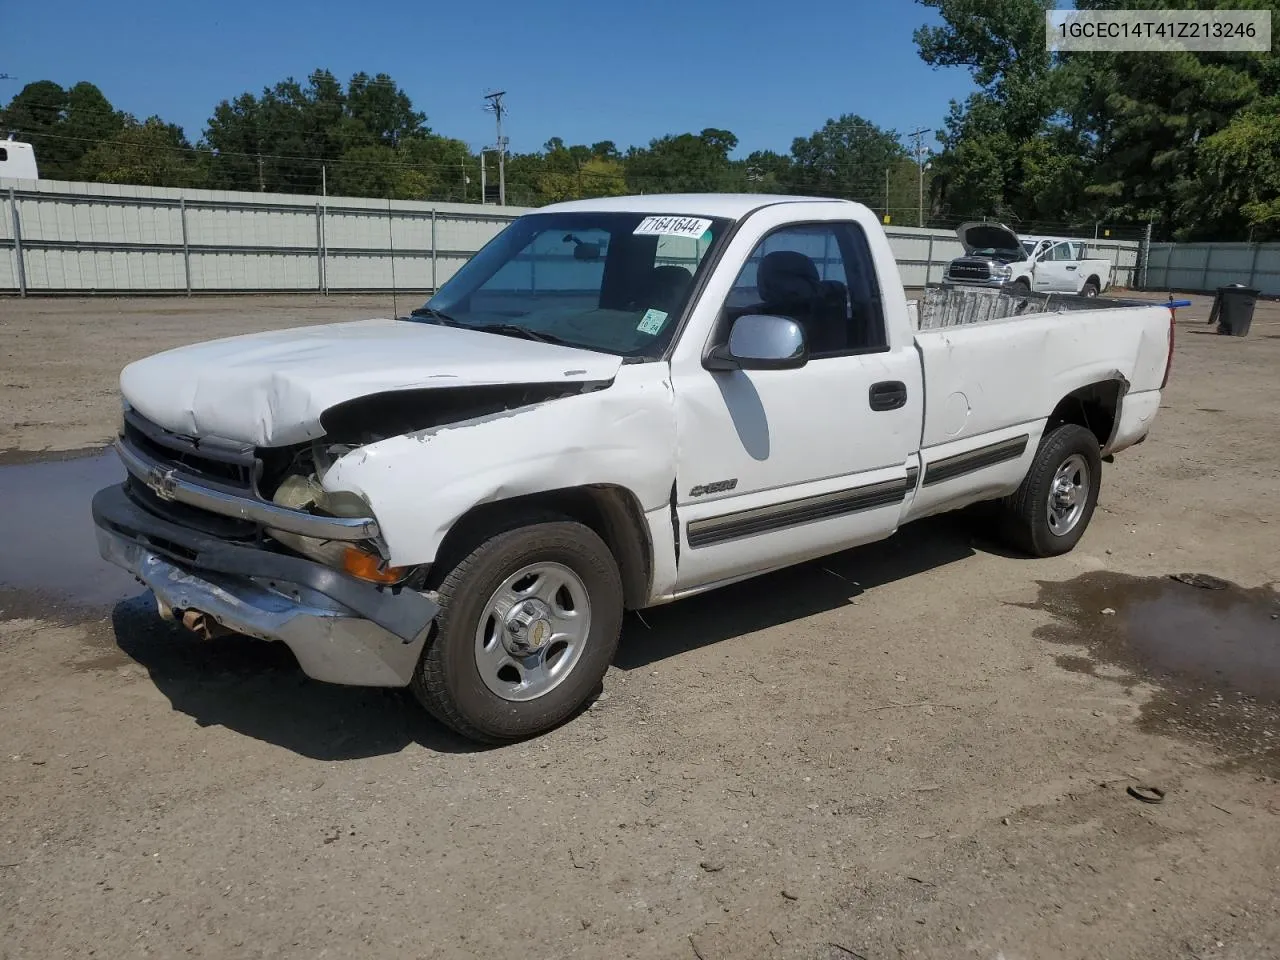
(761, 342)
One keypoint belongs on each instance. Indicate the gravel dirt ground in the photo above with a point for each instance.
(918, 749)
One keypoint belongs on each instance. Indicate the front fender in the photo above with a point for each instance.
(419, 484)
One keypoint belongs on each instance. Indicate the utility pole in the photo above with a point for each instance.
(1144, 257)
(497, 108)
(886, 193)
(484, 191)
(920, 152)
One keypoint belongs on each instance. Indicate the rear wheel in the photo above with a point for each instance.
(528, 626)
(1090, 288)
(1049, 512)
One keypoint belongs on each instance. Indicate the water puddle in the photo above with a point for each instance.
(1211, 648)
(50, 555)
(9, 458)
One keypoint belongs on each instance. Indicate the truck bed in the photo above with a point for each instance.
(958, 306)
(996, 366)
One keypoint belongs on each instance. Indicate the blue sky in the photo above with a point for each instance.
(580, 70)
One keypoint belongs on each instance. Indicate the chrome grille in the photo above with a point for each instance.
(969, 270)
(218, 464)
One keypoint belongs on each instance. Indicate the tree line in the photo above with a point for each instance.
(1187, 141)
(366, 138)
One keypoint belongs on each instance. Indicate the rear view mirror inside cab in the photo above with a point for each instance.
(582, 250)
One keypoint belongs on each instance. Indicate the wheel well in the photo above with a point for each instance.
(1093, 407)
(1094, 279)
(612, 512)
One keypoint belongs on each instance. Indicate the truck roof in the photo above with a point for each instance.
(731, 205)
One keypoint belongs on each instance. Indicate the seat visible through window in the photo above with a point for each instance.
(789, 285)
(821, 275)
(667, 287)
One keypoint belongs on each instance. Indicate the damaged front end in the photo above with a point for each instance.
(295, 476)
(301, 490)
(248, 539)
(233, 537)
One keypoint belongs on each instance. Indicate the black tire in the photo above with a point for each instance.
(1019, 288)
(447, 681)
(1027, 526)
(1090, 288)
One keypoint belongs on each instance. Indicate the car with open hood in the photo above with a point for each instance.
(996, 257)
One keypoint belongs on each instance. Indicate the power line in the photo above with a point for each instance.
(867, 181)
(864, 183)
(854, 179)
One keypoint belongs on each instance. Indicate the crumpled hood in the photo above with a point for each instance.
(270, 389)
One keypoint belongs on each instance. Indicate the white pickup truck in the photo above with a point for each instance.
(615, 404)
(997, 257)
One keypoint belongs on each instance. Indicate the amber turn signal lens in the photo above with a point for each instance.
(368, 567)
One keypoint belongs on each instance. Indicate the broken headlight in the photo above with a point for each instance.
(298, 492)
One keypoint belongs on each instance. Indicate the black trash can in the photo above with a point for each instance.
(1233, 309)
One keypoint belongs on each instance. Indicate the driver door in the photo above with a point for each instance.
(776, 466)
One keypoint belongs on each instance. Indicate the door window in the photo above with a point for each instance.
(822, 276)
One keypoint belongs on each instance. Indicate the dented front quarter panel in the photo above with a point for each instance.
(421, 483)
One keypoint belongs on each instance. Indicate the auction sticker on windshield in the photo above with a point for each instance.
(652, 322)
(692, 227)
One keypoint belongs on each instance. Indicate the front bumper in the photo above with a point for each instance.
(995, 283)
(342, 630)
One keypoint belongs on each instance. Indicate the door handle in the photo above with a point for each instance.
(887, 395)
(1070, 268)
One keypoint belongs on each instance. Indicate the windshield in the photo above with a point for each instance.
(611, 282)
(1000, 254)
(1030, 246)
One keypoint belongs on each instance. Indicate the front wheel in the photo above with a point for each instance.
(529, 624)
(1050, 510)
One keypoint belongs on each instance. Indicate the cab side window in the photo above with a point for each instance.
(820, 275)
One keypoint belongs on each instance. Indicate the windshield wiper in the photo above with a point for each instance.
(434, 314)
(515, 330)
(505, 329)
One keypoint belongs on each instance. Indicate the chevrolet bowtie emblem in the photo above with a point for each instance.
(161, 482)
